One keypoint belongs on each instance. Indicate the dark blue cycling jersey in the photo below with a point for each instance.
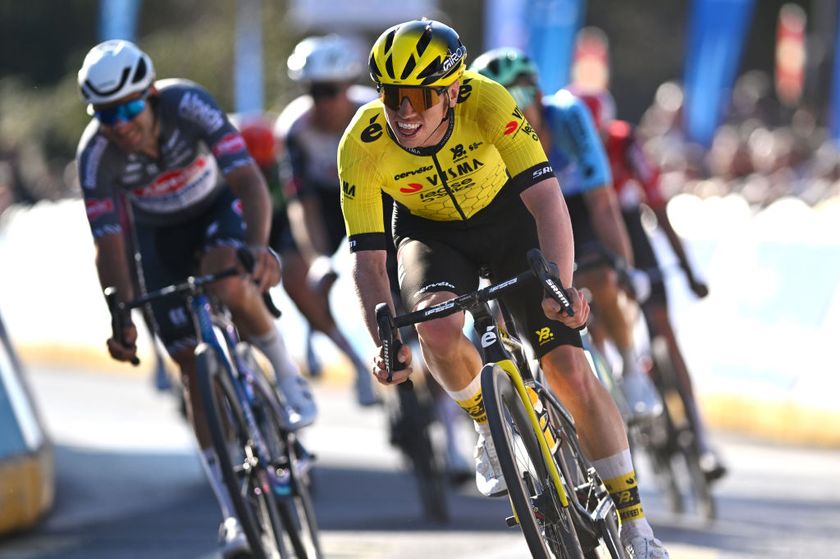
(198, 147)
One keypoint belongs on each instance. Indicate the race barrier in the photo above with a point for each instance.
(27, 481)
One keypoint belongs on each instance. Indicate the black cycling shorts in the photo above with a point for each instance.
(447, 256)
(170, 254)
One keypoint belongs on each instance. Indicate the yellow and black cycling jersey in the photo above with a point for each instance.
(488, 148)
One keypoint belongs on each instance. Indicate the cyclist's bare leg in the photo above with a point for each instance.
(315, 308)
(452, 359)
(601, 431)
(610, 302)
(237, 293)
(599, 423)
(614, 311)
(256, 325)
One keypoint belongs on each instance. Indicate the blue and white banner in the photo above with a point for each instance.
(248, 58)
(118, 19)
(545, 29)
(717, 32)
(834, 103)
(552, 27)
(505, 24)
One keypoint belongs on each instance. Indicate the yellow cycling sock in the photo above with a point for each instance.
(469, 398)
(625, 493)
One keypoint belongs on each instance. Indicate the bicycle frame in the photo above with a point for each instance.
(494, 352)
(239, 371)
(491, 341)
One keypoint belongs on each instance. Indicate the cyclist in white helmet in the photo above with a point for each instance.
(194, 193)
(309, 128)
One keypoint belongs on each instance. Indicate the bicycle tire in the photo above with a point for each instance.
(532, 494)
(684, 439)
(297, 511)
(255, 507)
(578, 471)
(413, 421)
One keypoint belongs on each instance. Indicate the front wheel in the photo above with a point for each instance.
(245, 477)
(547, 526)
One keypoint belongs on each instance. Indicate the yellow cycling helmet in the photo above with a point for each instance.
(421, 52)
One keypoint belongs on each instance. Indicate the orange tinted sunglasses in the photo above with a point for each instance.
(421, 98)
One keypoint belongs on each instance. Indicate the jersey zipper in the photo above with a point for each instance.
(445, 185)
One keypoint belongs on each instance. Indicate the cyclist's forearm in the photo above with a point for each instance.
(372, 286)
(308, 228)
(248, 184)
(112, 265)
(673, 239)
(608, 223)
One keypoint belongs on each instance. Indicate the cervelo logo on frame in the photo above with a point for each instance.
(488, 338)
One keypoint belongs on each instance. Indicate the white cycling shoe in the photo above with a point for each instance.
(488, 471)
(642, 547)
(641, 395)
(232, 540)
(298, 395)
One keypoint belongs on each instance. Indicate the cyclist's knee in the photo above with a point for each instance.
(440, 335)
(569, 373)
(603, 284)
(233, 292)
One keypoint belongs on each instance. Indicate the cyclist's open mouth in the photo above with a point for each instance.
(408, 129)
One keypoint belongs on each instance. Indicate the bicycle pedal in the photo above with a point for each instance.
(512, 522)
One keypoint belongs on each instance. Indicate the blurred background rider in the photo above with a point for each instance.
(309, 128)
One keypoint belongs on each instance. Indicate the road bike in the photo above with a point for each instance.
(265, 467)
(559, 501)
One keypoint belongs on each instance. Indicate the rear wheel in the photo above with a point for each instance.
(243, 472)
(682, 433)
(547, 526)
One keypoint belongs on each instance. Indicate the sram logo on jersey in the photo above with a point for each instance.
(97, 207)
(230, 143)
(545, 170)
(196, 109)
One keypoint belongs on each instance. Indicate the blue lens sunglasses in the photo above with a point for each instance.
(124, 112)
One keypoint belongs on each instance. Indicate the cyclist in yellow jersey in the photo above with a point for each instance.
(473, 191)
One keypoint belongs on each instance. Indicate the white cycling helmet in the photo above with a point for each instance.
(326, 59)
(113, 70)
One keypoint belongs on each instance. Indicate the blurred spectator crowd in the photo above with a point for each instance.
(764, 151)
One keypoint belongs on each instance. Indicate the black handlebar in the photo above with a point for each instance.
(120, 311)
(387, 324)
(119, 317)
